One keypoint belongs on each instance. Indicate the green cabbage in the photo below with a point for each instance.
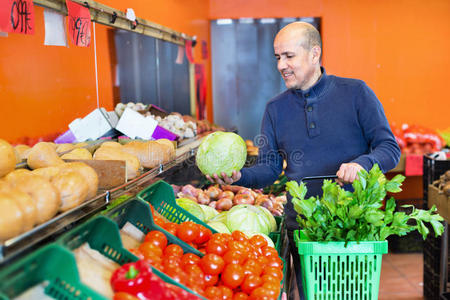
(246, 217)
(221, 217)
(192, 207)
(270, 217)
(209, 212)
(219, 227)
(221, 152)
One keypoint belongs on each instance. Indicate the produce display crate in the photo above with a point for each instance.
(52, 264)
(138, 213)
(161, 196)
(102, 234)
(332, 271)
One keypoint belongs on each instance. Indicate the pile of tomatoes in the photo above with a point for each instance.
(233, 267)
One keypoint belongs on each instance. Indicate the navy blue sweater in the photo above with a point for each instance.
(338, 120)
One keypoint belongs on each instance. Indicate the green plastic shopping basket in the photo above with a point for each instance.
(331, 270)
(52, 264)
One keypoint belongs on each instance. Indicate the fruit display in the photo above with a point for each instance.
(224, 197)
(221, 152)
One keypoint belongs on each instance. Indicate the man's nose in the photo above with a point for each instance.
(281, 64)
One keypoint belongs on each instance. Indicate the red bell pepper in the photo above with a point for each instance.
(138, 279)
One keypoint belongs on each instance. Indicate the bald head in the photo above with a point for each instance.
(306, 35)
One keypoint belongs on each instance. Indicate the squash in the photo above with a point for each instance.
(72, 188)
(11, 217)
(28, 207)
(64, 148)
(23, 151)
(89, 175)
(17, 173)
(43, 155)
(7, 158)
(150, 154)
(78, 153)
(43, 193)
(47, 172)
(114, 153)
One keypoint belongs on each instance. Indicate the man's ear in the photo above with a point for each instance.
(315, 52)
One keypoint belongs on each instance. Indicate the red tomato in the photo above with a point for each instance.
(239, 236)
(153, 259)
(212, 264)
(171, 228)
(189, 259)
(268, 251)
(211, 280)
(213, 293)
(202, 250)
(235, 245)
(261, 293)
(270, 278)
(124, 296)
(137, 253)
(172, 261)
(258, 241)
(148, 249)
(252, 266)
(216, 247)
(159, 221)
(274, 289)
(275, 272)
(156, 237)
(227, 293)
(263, 261)
(250, 283)
(275, 261)
(204, 235)
(234, 257)
(233, 275)
(194, 270)
(188, 231)
(173, 250)
(240, 296)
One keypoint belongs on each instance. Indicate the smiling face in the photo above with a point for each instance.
(299, 67)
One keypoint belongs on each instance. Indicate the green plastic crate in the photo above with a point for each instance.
(53, 264)
(332, 271)
(160, 195)
(138, 213)
(102, 234)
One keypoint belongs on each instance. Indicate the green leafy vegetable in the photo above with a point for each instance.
(340, 215)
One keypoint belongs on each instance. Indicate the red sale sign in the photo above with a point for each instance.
(79, 22)
(17, 16)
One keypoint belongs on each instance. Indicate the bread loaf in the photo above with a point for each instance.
(43, 155)
(27, 205)
(23, 151)
(48, 172)
(7, 158)
(17, 173)
(150, 154)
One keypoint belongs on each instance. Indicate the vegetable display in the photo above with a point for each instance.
(340, 215)
(223, 198)
(221, 152)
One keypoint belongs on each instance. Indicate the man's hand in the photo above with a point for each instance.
(225, 180)
(348, 173)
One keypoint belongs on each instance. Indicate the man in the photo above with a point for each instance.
(321, 125)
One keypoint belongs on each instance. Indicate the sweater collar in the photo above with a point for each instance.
(317, 89)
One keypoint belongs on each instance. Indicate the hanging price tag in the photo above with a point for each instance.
(188, 47)
(79, 22)
(17, 16)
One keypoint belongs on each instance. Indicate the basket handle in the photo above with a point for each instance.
(322, 177)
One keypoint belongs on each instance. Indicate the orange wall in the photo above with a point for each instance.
(400, 48)
(43, 88)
